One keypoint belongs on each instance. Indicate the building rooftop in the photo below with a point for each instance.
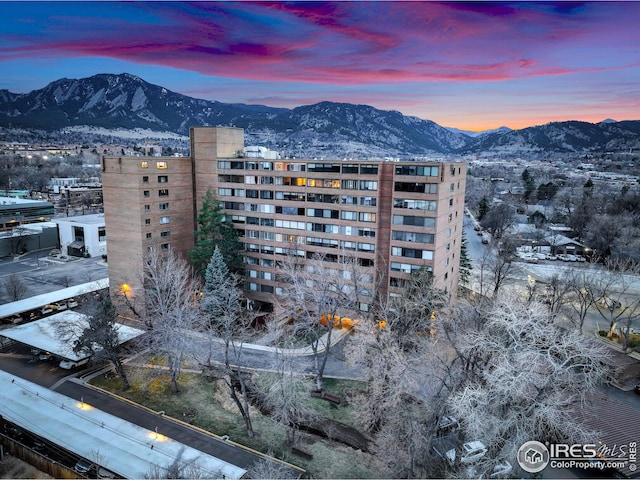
(45, 334)
(124, 448)
(92, 219)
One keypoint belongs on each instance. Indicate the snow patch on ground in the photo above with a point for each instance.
(136, 133)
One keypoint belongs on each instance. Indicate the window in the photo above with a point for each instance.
(366, 217)
(149, 235)
(323, 167)
(165, 246)
(266, 195)
(366, 247)
(368, 201)
(348, 215)
(166, 233)
(415, 204)
(369, 170)
(416, 187)
(164, 220)
(144, 164)
(416, 221)
(366, 232)
(349, 168)
(161, 164)
(164, 206)
(145, 179)
(367, 185)
(348, 245)
(163, 178)
(147, 221)
(147, 208)
(163, 192)
(413, 237)
(452, 187)
(252, 194)
(102, 234)
(417, 170)
(146, 193)
(78, 234)
(350, 184)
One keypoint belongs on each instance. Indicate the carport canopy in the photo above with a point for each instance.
(56, 334)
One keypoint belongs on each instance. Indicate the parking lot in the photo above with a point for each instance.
(40, 273)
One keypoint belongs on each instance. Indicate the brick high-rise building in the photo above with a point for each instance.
(394, 216)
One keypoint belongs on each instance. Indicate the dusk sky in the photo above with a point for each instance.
(472, 65)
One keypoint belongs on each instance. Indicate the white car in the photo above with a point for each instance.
(69, 364)
(471, 452)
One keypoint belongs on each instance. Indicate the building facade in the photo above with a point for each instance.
(82, 236)
(394, 217)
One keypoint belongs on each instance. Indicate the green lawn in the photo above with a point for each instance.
(200, 404)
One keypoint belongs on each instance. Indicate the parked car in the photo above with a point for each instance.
(82, 466)
(446, 425)
(550, 256)
(471, 452)
(69, 364)
(45, 356)
(104, 473)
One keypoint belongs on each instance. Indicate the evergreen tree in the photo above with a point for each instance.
(221, 298)
(215, 229)
(465, 263)
(483, 208)
(529, 184)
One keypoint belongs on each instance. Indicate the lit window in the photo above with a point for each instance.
(144, 164)
(161, 164)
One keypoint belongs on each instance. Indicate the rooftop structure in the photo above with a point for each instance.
(45, 334)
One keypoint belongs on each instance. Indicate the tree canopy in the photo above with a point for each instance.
(215, 229)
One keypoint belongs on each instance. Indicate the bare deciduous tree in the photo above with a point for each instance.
(171, 307)
(319, 289)
(525, 377)
(15, 288)
(285, 392)
(101, 338)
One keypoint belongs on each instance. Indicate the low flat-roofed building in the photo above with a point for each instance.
(19, 211)
(83, 236)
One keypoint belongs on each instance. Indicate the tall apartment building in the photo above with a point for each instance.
(395, 217)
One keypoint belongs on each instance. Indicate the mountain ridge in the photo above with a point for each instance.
(125, 101)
